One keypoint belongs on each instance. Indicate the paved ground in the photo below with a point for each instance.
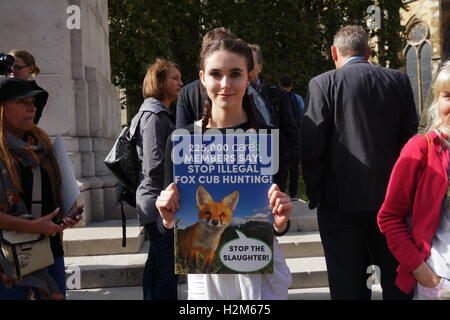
(135, 293)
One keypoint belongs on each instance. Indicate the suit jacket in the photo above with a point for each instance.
(190, 104)
(280, 106)
(356, 121)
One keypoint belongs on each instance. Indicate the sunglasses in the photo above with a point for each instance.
(18, 68)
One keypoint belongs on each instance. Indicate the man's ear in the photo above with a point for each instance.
(334, 53)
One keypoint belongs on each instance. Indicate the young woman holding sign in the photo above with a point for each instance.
(224, 71)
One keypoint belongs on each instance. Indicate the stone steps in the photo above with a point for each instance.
(301, 244)
(308, 272)
(95, 252)
(120, 270)
(103, 238)
(109, 270)
(135, 293)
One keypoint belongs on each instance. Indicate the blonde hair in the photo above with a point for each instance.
(8, 160)
(157, 72)
(28, 58)
(441, 83)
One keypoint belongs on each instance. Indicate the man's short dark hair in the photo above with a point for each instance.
(351, 40)
(286, 82)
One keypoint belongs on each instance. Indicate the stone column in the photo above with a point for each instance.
(83, 105)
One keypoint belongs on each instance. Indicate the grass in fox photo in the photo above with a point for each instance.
(198, 243)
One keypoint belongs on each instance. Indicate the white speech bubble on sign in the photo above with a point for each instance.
(245, 254)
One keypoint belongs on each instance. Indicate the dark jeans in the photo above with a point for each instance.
(352, 242)
(159, 279)
(293, 175)
(58, 272)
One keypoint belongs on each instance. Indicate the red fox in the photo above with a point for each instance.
(201, 240)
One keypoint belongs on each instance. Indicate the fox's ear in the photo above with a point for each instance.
(203, 197)
(231, 200)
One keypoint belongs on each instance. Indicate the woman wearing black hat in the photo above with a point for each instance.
(25, 68)
(24, 147)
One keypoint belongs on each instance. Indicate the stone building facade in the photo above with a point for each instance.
(427, 25)
(70, 41)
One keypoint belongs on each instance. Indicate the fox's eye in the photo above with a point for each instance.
(222, 215)
(208, 213)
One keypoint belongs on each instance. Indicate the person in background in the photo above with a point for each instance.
(297, 108)
(415, 216)
(357, 119)
(25, 68)
(23, 148)
(277, 104)
(153, 125)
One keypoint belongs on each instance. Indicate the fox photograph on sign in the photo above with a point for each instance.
(224, 224)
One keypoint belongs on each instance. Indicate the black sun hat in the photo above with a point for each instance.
(15, 88)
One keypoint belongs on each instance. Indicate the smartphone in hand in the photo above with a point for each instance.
(75, 211)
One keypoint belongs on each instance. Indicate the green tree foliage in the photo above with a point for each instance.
(142, 30)
(295, 35)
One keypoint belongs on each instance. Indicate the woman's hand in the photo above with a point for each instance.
(46, 226)
(426, 277)
(167, 204)
(281, 208)
(74, 216)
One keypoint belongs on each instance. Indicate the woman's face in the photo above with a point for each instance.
(172, 84)
(444, 106)
(19, 115)
(21, 70)
(225, 78)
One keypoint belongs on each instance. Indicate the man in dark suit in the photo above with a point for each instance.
(274, 105)
(357, 119)
(190, 103)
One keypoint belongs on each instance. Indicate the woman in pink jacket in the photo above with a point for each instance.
(415, 216)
